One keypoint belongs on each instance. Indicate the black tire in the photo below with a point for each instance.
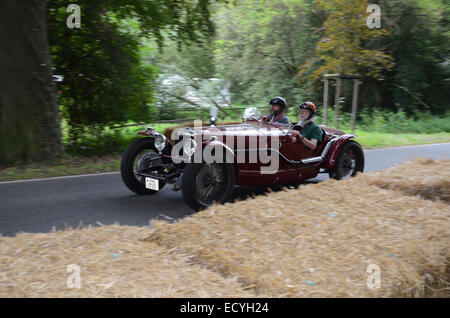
(190, 187)
(127, 166)
(349, 152)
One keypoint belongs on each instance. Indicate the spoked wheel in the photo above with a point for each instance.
(206, 184)
(140, 157)
(350, 161)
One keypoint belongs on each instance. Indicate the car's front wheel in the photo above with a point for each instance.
(140, 157)
(206, 184)
(349, 162)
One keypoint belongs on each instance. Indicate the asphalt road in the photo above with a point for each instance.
(46, 204)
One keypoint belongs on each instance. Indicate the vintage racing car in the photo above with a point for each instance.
(206, 162)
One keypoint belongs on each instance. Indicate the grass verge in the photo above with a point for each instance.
(63, 167)
(371, 140)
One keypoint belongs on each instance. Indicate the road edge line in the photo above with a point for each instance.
(61, 177)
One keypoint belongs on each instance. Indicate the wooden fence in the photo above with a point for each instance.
(202, 114)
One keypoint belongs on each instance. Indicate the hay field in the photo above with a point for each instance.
(425, 178)
(315, 241)
(113, 261)
(319, 241)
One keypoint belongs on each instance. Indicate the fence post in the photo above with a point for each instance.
(325, 102)
(337, 100)
(355, 102)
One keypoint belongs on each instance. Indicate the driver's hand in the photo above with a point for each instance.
(265, 118)
(295, 133)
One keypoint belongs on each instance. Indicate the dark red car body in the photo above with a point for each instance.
(206, 162)
(296, 162)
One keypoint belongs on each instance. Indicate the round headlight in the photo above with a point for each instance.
(160, 142)
(189, 147)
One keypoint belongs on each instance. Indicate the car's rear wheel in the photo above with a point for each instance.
(206, 184)
(349, 162)
(140, 157)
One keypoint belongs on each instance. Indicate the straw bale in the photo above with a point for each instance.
(318, 241)
(113, 261)
(315, 241)
(425, 178)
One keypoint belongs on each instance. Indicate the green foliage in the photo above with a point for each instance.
(112, 65)
(187, 60)
(385, 121)
(341, 49)
(399, 122)
(106, 80)
(260, 45)
(419, 42)
(371, 139)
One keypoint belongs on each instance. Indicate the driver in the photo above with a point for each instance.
(309, 133)
(276, 115)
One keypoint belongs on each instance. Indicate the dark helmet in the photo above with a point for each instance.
(309, 106)
(279, 101)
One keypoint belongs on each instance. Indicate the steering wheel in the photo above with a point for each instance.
(292, 138)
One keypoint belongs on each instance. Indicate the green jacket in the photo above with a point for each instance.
(311, 131)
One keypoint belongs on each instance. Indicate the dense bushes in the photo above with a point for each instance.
(399, 122)
(107, 82)
(261, 44)
(377, 120)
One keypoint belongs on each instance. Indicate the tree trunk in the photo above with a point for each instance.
(29, 119)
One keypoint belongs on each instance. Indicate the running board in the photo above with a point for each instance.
(312, 160)
(322, 156)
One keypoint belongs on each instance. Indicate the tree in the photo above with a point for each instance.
(260, 45)
(105, 79)
(29, 119)
(343, 48)
(105, 82)
(419, 41)
(257, 43)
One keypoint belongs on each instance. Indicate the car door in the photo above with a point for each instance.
(295, 151)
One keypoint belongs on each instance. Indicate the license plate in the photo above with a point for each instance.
(152, 184)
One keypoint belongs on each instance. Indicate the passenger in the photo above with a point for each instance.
(276, 115)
